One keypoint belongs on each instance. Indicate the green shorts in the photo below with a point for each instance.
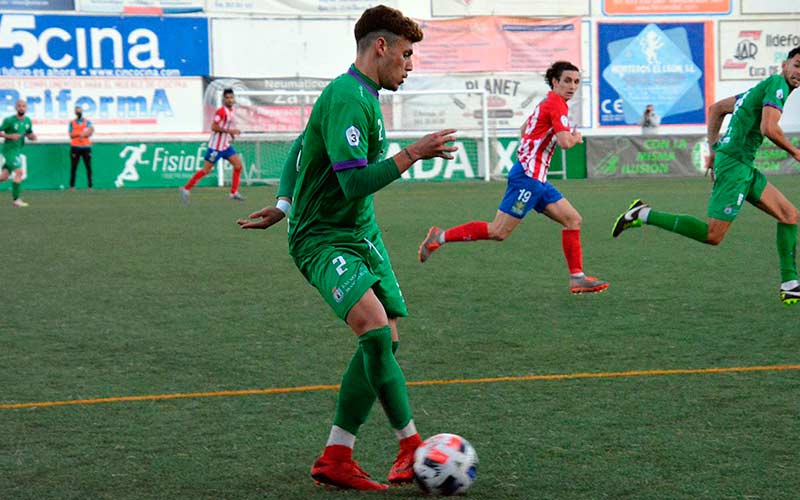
(342, 273)
(735, 182)
(12, 161)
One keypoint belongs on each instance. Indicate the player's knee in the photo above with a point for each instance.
(715, 239)
(573, 221)
(498, 234)
(791, 216)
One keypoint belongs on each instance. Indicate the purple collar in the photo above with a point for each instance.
(361, 79)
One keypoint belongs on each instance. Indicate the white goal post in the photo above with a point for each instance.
(271, 119)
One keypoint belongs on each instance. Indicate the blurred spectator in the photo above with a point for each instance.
(80, 131)
(650, 121)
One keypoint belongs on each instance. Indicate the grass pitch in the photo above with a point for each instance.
(116, 294)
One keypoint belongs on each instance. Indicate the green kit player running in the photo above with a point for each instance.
(14, 130)
(755, 115)
(336, 243)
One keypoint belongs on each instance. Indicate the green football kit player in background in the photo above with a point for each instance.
(336, 244)
(14, 130)
(755, 116)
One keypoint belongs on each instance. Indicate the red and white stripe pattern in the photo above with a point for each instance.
(224, 118)
(539, 139)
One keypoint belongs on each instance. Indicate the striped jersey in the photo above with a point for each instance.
(224, 118)
(538, 142)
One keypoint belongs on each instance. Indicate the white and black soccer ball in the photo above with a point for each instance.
(445, 464)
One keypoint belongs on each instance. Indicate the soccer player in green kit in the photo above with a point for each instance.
(755, 115)
(14, 130)
(336, 244)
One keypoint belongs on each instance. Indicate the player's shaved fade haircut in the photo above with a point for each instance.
(228, 91)
(557, 69)
(795, 51)
(386, 22)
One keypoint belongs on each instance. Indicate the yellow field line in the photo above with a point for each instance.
(487, 380)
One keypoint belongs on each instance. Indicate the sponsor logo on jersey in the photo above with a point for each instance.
(564, 120)
(353, 136)
(338, 295)
(779, 94)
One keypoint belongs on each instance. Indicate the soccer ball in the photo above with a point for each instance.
(445, 464)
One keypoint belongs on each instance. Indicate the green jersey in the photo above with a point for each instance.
(344, 132)
(13, 125)
(744, 137)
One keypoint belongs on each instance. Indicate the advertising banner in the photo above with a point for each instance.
(497, 44)
(103, 46)
(665, 7)
(116, 106)
(296, 7)
(770, 7)
(260, 114)
(37, 5)
(156, 7)
(320, 48)
(511, 98)
(537, 8)
(670, 156)
(753, 50)
(667, 65)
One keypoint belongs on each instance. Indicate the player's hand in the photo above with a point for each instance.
(710, 166)
(13, 137)
(578, 136)
(434, 145)
(234, 131)
(268, 216)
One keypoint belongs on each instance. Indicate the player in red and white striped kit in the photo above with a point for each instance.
(223, 133)
(528, 188)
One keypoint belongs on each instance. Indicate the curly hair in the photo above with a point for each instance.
(557, 69)
(381, 21)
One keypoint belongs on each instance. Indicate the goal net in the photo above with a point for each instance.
(271, 120)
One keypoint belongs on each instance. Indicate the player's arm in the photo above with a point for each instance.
(360, 182)
(346, 135)
(716, 115)
(30, 135)
(566, 136)
(770, 116)
(89, 130)
(269, 216)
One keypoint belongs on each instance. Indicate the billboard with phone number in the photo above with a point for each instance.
(103, 46)
(668, 65)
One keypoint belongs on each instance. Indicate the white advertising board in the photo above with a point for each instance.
(118, 107)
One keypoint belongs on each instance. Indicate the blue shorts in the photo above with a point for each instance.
(213, 155)
(524, 194)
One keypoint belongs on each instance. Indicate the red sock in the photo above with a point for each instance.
(237, 174)
(338, 453)
(471, 231)
(571, 241)
(196, 177)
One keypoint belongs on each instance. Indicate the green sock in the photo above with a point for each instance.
(787, 243)
(385, 375)
(16, 188)
(685, 225)
(356, 396)
(395, 346)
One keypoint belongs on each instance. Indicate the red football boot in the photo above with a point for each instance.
(402, 471)
(336, 467)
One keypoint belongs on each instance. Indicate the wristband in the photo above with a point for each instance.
(284, 206)
(409, 155)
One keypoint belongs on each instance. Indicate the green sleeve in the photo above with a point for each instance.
(346, 134)
(289, 173)
(360, 182)
(776, 93)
